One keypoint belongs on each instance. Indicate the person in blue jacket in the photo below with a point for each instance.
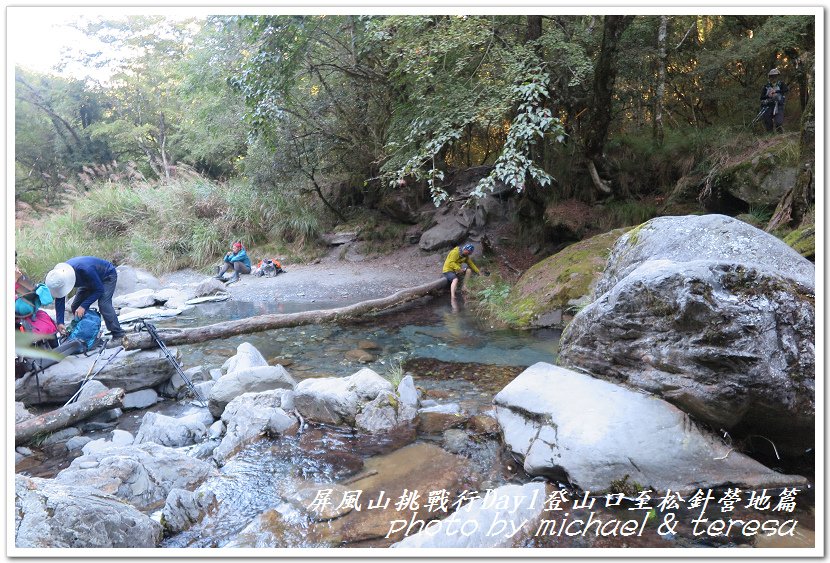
(95, 280)
(236, 260)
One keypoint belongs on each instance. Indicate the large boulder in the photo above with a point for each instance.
(447, 231)
(758, 179)
(712, 315)
(249, 416)
(131, 371)
(56, 515)
(338, 400)
(142, 475)
(593, 434)
(247, 380)
(132, 279)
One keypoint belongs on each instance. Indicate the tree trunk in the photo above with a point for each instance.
(661, 79)
(795, 203)
(605, 74)
(68, 415)
(176, 336)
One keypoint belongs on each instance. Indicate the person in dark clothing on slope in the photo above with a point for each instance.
(95, 280)
(773, 96)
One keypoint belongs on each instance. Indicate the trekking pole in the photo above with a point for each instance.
(93, 376)
(86, 377)
(155, 335)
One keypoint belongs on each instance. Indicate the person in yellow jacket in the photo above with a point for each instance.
(455, 266)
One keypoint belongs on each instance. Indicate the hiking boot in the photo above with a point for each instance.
(233, 279)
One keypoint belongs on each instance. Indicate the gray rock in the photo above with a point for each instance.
(407, 392)
(132, 279)
(56, 515)
(215, 374)
(592, 433)
(216, 429)
(247, 356)
(445, 408)
(61, 436)
(247, 418)
(712, 315)
(131, 371)
(384, 413)
(137, 299)
(140, 399)
(210, 286)
(20, 413)
(445, 233)
(184, 508)
(77, 442)
(121, 438)
(247, 380)
(169, 431)
(456, 440)
(694, 238)
(141, 475)
(90, 389)
(22, 450)
(492, 525)
(337, 400)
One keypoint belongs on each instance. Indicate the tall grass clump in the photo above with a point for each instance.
(189, 222)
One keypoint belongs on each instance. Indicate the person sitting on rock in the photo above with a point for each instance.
(455, 266)
(237, 260)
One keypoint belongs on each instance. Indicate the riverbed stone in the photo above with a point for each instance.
(247, 356)
(593, 433)
(77, 442)
(247, 380)
(132, 279)
(140, 399)
(269, 530)
(483, 424)
(359, 355)
(183, 508)
(436, 419)
(383, 413)
(140, 474)
(129, 370)
(49, 514)
(407, 392)
(305, 496)
(137, 299)
(169, 431)
(248, 417)
(90, 389)
(61, 435)
(20, 413)
(713, 315)
(337, 400)
(422, 467)
(503, 518)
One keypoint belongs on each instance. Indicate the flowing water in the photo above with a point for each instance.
(452, 355)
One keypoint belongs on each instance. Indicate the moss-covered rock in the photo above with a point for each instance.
(560, 282)
(803, 240)
(758, 177)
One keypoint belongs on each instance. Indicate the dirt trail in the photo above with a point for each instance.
(342, 275)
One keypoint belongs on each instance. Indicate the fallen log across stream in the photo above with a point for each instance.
(259, 323)
(60, 418)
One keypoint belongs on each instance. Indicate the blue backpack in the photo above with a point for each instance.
(86, 328)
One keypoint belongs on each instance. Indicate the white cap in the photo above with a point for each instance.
(60, 280)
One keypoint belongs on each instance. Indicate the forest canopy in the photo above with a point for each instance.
(305, 99)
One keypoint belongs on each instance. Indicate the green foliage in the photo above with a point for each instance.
(395, 372)
(187, 223)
